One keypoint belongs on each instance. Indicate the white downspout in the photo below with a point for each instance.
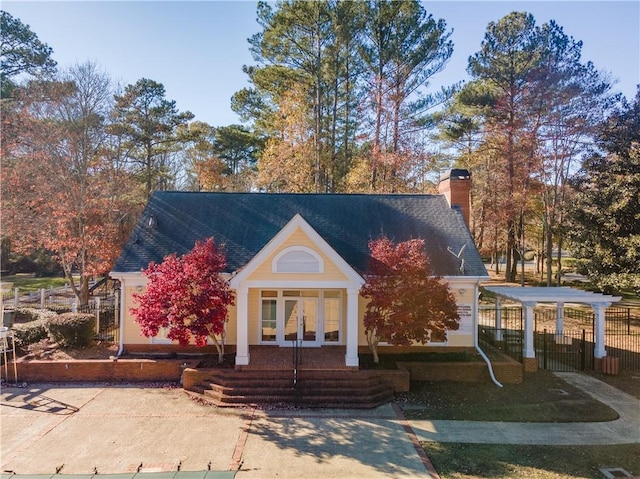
(121, 319)
(475, 337)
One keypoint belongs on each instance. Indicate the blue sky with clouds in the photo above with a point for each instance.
(197, 49)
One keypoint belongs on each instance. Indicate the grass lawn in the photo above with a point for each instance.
(29, 283)
(542, 397)
(474, 461)
(537, 399)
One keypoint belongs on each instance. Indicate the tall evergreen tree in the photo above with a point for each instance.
(21, 53)
(605, 213)
(537, 104)
(326, 52)
(148, 123)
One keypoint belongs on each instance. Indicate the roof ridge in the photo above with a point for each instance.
(230, 193)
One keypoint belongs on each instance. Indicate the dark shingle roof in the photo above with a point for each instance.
(245, 222)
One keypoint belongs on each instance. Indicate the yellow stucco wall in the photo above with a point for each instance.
(132, 334)
(454, 339)
(132, 331)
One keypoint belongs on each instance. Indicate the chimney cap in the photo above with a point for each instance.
(456, 174)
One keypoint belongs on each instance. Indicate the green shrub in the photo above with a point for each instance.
(29, 333)
(72, 329)
(24, 315)
(60, 308)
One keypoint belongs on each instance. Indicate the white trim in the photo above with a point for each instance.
(161, 339)
(131, 279)
(272, 246)
(297, 284)
(563, 294)
(276, 266)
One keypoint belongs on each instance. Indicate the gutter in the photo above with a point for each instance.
(121, 320)
(475, 339)
(120, 315)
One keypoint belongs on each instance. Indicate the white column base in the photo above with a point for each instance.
(242, 360)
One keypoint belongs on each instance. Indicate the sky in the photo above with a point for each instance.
(196, 49)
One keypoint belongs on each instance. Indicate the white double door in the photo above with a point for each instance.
(300, 322)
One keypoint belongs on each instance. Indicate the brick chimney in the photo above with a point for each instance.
(455, 185)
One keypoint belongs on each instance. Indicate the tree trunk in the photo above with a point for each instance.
(549, 254)
(559, 273)
(522, 249)
(373, 341)
(509, 271)
(219, 343)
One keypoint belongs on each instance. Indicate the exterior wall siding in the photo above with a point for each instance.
(463, 291)
(132, 334)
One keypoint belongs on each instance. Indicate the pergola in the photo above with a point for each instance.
(529, 297)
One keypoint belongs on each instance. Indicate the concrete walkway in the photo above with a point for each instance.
(113, 429)
(624, 430)
(116, 429)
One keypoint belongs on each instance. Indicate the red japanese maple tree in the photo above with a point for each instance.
(407, 304)
(188, 295)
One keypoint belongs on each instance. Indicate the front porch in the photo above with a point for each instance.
(321, 379)
(279, 358)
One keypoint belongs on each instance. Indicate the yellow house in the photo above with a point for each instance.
(296, 261)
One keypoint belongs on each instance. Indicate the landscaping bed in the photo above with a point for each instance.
(47, 361)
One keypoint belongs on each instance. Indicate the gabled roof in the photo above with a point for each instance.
(276, 242)
(245, 222)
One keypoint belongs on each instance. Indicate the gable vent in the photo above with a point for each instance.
(297, 259)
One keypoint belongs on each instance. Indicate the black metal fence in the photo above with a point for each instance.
(105, 308)
(570, 349)
(565, 350)
(107, 324)
(508, 341)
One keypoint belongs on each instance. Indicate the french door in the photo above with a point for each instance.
(301, 321)
(309, 317)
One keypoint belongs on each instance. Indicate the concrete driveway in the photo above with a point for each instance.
(114, 429)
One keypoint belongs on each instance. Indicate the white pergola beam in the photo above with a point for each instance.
(530, 296)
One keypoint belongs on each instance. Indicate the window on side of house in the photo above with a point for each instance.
(268, 316)
(332, 315)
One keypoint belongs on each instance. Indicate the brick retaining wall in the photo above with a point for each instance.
(506, 371)
(134, 370)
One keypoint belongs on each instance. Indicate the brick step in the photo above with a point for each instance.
(315, 388)
(244, 382)
(328, 404)
(294, 397)
(356, 390)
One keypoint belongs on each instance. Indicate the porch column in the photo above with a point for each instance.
(242, 321)
(351, 358)
(559, 318)
(498, 318)
(599, 309)
(529, 350)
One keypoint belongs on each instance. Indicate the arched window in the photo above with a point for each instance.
(297, 259)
